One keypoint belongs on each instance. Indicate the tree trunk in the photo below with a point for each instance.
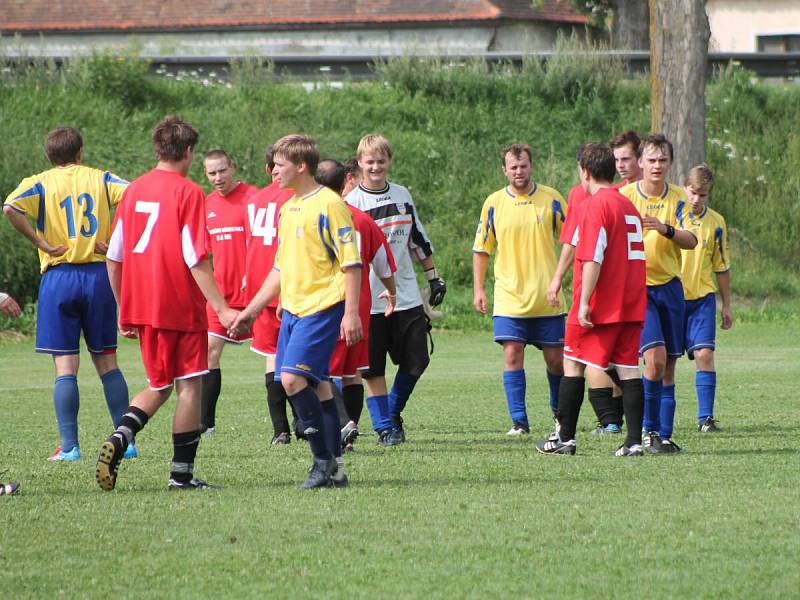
(630, 27)
(679, 34)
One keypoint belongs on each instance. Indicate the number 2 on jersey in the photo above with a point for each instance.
(151, 210)
(634, 237)
(262, 222)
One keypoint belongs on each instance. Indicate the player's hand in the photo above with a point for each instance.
(351, 329)
(438, 290)
(653, 223)
(584, 318)
(727, 317)
(227, 316)
(391, 302)
(241, 324)
(552, 293)
(279, 312)
(127, 331)
(10, 307)
(101, 248)
(52, 250)
(480, 303)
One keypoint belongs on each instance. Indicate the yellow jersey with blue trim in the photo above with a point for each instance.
(316, 240)
(521, 230)
(663, 256)
(711, 255)
(71, 206)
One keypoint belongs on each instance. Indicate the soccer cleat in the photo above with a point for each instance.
(207, 430)
(60, 455)
(193, 484)
(518, 430)
(281, 439)
(634, 450)
(319, 475)
(108, 464)
(708, 425)
(607, 429)
(8, 489)
(549, 446)
(652, 442)
(339, 478)
(669, 447)
(398, 433)
(131, 451)
(349, 434)
(383, 437)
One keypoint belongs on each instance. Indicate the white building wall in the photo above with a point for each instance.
(735, 24)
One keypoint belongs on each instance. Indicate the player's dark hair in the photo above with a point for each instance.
(598, 160)
(218, 153)
(579, 152)
(351, 167)
(269, 153)
(330, 173)
(62, 145)
(298, 149)
(657, 140)
(627, 138)
(172, 137)
(516, 150)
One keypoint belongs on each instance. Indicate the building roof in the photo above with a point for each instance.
(35, 16)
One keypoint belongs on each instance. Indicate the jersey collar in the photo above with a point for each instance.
(645, 196)
(374, 192)
(531, 193)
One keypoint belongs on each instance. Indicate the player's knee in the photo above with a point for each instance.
(704, 358)
(293, 383)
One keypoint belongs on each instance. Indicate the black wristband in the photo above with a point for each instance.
(670, 233)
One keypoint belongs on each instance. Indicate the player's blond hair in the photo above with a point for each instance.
(700, 178)
(298, 149)
(374, 143)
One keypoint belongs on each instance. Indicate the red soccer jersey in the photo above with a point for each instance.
(374, 249)
(159, 235)
(226, 220)
(577, 196)
(610, 233)
(263, 209)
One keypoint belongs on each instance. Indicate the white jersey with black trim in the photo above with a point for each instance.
(392, 208)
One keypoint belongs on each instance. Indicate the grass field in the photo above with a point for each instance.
(459, 511)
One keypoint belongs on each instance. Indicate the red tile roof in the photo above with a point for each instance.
(28, 16)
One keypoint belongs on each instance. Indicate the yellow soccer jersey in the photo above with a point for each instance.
(315, 240)
(663, 256)
(522, 232)
(711, 255)
(72, 207)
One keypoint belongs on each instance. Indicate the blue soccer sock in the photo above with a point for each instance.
(401, 390)
(309, 413)
(378, 407)
(555, 382)
(330, 415)
(667, 411)
(652, 404)
(67, 402)
(115, 390)
(514, 384)
(705, 383)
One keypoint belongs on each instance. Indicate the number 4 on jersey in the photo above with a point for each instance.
(262, 222)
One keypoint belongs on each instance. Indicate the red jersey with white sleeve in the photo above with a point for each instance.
(577, 196)
(226, 220)
(611, 235)
(262, 209)
(159, 234)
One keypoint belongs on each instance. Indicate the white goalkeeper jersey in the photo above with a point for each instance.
(392, 208)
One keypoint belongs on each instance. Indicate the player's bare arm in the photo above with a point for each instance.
(683, 238)
(114, 269)
(390, 294)
(724, 283)
(268, 291)
(480, 264)
(204, 277)
(591, 273)
(351, 329)
(20, 222)
(564, 261)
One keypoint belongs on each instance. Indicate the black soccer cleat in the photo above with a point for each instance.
(108, 463)
(281, 439)
(319, 476)
(193, 484)
(549, 446)
(652, 442)
(632, 450)
(669, 447)
(708, 425)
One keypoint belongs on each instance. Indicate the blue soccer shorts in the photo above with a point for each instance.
(305, 344)
(663, 321)
(75, 298)
(701, 324)
(542, 332)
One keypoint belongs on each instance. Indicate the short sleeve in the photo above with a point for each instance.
(485, 239)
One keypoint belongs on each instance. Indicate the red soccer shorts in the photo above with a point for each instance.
(604, 345)
(169, 355)
(265, 333)
(217, 329)
(346, 362)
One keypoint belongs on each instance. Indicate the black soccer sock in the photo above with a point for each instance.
(619, 411)
(602, 404)
(276, 403)
(212, 384)
(570, 398)
(184, 450)
(131, 423)
(353, 400)
(332, 432)
(633, 404)
(309, 413)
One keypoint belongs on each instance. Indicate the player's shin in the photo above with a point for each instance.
(331, 418)
(603, 405)
(66, 399)
(184, 452)
(212, 385)
(309, 413)
(667, 411)
(276, 404)
(633, 405)
(115, 390)
(570, 398)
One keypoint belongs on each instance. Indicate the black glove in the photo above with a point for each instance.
(438, 290)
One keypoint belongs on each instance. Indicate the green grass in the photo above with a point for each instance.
(459, 511)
